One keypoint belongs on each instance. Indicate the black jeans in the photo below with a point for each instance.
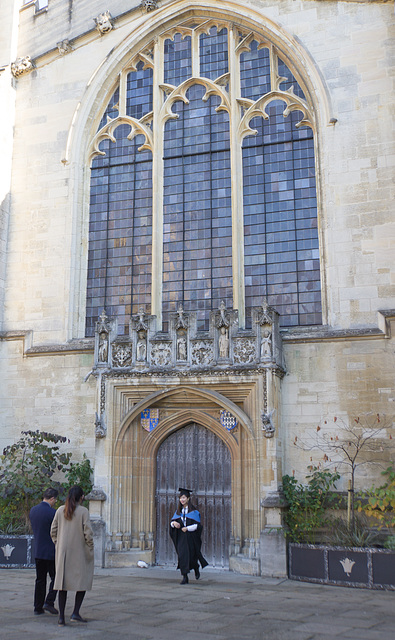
(44, 567)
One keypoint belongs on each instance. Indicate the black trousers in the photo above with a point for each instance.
(43, 568)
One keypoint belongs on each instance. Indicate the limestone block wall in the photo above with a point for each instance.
(343, 379)
(8, 49)
(49, 394)
(61, 20)
(346, 44)
(345, 50)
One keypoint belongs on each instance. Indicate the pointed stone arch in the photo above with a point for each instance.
(134, 471)
(144, 29)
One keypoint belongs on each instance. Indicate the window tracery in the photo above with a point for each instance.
(203, 182)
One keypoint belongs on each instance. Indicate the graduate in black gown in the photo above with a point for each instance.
(186, 533)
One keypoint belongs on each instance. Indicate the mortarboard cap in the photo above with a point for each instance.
(185, 492)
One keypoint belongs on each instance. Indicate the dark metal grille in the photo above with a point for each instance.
(195, 458)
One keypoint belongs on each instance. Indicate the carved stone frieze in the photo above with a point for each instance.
(202, 352)
(244, 350)
(161, 354)
(21, 66)
(104, 22)
(121, 355)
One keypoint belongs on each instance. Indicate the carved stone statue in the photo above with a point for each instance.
(103, 346)
(223, 342)
(100, 427)
(104, 22)
(267, 423)
(141, 347)
(182, 320)
(266, 345)
(181, 346)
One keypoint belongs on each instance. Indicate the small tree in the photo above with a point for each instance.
(27, 468)
(307, 503)
(358, 443)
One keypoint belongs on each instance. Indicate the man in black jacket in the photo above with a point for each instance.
(41, 517)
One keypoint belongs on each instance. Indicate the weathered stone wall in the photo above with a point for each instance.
(47, 393)
(8, 49)
(343, 379)
(344, 48)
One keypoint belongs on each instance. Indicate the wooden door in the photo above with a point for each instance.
(195, 458)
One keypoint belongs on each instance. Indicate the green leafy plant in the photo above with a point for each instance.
(307, 503)
(36, 461)
(80, 473)
(390, 543)
(379, 502)
(340, 534)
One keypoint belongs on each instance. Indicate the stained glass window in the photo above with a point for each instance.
(202, 206)
(197, 268)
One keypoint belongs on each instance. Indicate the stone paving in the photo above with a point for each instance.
(150, 604)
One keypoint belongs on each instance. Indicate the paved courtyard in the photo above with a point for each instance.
(150, 604)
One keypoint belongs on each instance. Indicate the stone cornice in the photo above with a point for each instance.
(85, 345)
(326, 334)
(92, 34)
(323, 334)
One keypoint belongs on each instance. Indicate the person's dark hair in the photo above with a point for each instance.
(73, 498)
(50, 493)
(191, 507)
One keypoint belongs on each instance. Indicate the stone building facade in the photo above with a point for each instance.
(196, 251)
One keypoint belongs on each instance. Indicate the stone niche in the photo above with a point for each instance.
(185, 348)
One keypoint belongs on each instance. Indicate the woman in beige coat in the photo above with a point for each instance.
(73, 537)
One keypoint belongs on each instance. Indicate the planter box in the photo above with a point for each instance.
(353, 567)
(16, 551)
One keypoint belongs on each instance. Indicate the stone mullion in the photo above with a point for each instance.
(157, 186)
(273, 69)
(236, 181)
(195, 49)
(122, 93)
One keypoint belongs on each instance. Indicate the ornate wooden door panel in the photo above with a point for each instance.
(195, 458)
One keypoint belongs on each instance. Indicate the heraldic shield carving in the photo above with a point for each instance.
(149, 419)
(227, 420)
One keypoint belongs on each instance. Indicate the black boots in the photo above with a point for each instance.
(184, 579)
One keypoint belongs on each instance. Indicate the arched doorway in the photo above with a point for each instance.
(196, 458)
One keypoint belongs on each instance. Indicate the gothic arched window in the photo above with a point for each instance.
(203, 183)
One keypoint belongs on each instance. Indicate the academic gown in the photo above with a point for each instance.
(188, 544)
